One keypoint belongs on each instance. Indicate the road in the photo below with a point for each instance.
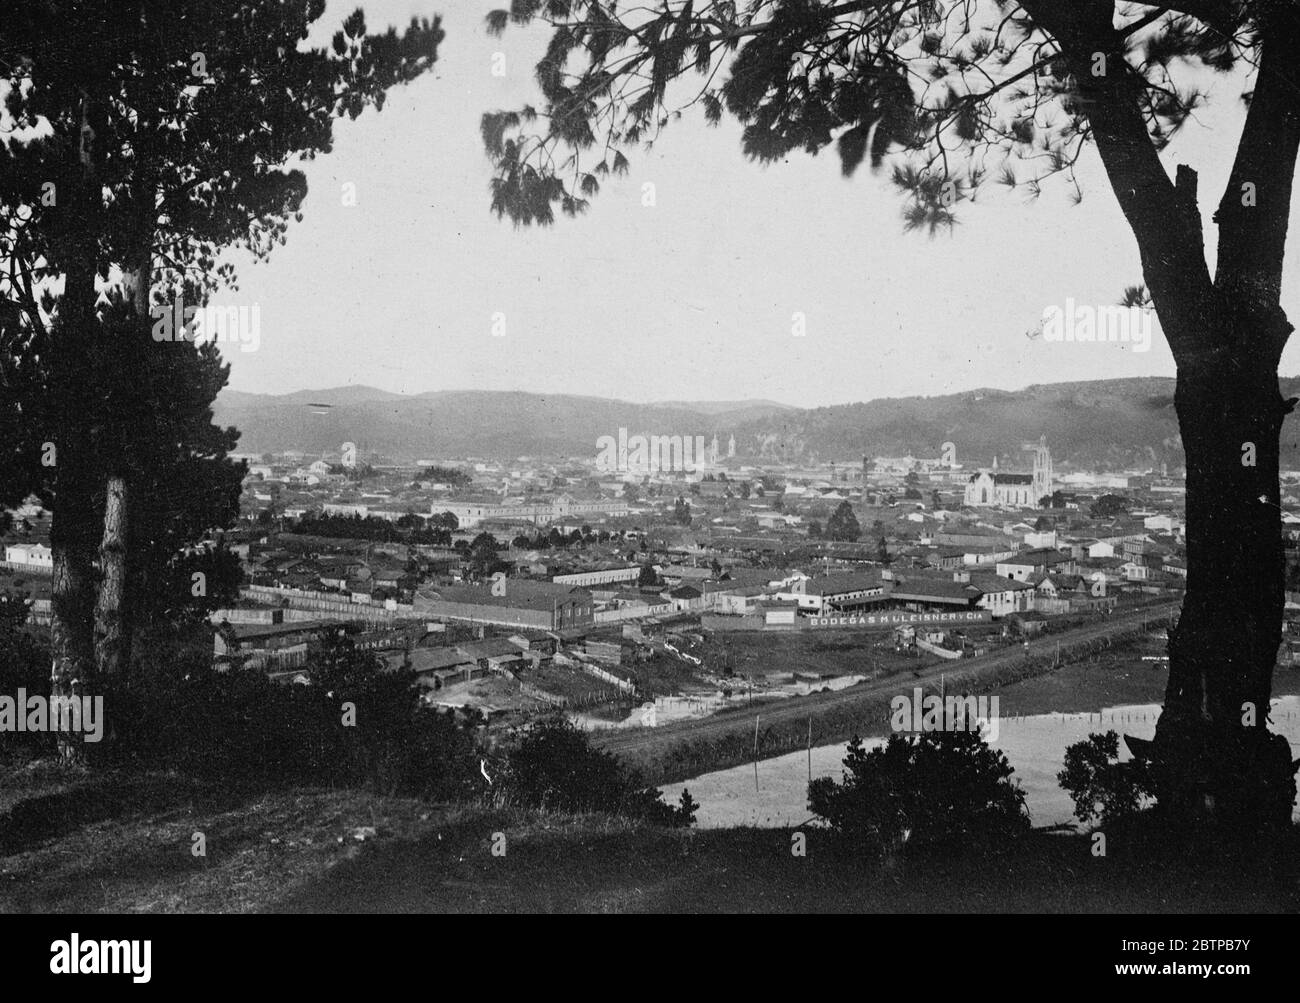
(775, 712)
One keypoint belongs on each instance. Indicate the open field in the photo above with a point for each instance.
(823, 653)
(681, 750)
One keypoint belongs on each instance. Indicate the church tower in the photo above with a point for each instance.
(1042, 470)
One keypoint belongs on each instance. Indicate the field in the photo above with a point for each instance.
(821, 653)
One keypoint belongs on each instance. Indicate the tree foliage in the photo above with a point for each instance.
(843, 524)
(555, 768)
(939, 789)
(957, 95)
(1101, 787)
(142, 141)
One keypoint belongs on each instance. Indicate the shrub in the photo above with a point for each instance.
(1101, 787)
(25, 665)
(942, 788)
(555, 768)
(240, 727)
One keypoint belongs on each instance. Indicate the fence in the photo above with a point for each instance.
(934, 649)
(609, 677)
(327, 602)
(630, 613)
(43, 570)
(593, 699)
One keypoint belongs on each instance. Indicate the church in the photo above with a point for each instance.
(990, 488)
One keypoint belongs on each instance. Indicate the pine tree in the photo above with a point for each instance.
(169, 128)
(843, 524)
(955, 98)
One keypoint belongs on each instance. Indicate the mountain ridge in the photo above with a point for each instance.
(1102, 424)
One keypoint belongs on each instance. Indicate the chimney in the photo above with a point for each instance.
(961, 576)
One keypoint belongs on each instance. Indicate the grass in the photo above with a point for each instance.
(297, 851)
(822, 653)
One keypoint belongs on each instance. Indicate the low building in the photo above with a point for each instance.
(34, 557)
(836, 593)
(1003, 596)
(620, 573)
(542, 605)
(1030, 564)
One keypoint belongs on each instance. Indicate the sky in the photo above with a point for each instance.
(692, 298)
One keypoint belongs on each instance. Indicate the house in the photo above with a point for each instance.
(265, 646)
(35, 557)
(644, 603)
(1031, 563)
(728, 598)
(496, 654)
(1135, 571)
(977, 557)
(1175, 566)
(1098, 548)
(685, 597)
(948, 558)
(435, 667)
(1060, 586)
(1002, 596)
(1028, 623)
(539, 641)
(676, 574)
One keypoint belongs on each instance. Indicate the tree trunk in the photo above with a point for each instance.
(72, 652)
(111, 637)
(1214, 759)
(112, 613)
(1214, 755)
(71, 539)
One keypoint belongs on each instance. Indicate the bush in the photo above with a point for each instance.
(25, 665)
(555, 768)
(941, 789)
(240, 727)
(1101, 787)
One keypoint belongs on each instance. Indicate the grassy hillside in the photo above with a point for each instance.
(74, 842)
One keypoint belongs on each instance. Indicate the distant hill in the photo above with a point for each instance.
(1104, 424)
(1109, 424)
(465, 423)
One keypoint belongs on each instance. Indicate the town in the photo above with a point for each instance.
(636, 598)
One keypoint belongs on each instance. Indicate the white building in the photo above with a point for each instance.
(470, 514)
(30, 556)
(991, 488)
